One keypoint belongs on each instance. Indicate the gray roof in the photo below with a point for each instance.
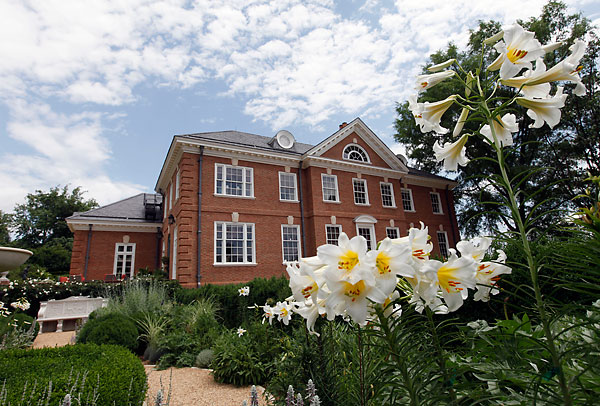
(418, 172)
(248, 140)
(130, 209)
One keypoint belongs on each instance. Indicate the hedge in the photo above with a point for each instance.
(116, 374)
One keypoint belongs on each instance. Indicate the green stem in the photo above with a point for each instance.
(533, 269)
(361, 368)
(441, 359)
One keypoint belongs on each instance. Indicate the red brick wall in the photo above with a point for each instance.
(336, 151)
(102, 252)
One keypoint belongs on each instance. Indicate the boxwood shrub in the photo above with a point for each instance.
(111, 328)
(116, 374)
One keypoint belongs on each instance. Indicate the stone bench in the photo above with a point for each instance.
(66, 313)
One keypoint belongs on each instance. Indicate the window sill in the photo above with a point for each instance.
(410, 211)
(289, 201)
(362, 204)
(235, 264)
(390, 207)
(332, 201)
(439, 214)
(235, 197)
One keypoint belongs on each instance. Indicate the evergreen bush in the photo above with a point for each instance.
(112, 328)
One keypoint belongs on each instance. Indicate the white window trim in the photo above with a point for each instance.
(338, 226)
(174, 254)
(392, 228)
(337, 189)
(295, 200)
(297, 227)
(177, 181)
(412, 201)
(132, 272)
(364, 182)
(439, 203)
(170, 196)
(372, 227)
(354, 160)
(391, 185)
(447, 244)
(215, 263)
(224, 186)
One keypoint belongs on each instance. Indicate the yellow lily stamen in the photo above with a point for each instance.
(383, 263)
(348, 261)
(354, 291)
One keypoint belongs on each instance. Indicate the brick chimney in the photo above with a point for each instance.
(344, 124)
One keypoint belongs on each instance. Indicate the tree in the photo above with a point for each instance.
(570, 149)
(4, 228)
(42, 218)
(40, 226)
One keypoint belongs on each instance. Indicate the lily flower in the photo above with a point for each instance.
(566, 70)
(440, 66)
(425, 82)
(245, 291)
(461, 121)
(428, 115)
(240, 332)
(269, 313)
(392, 260)
(304, 280)
(503, 128)
(544, 110)
(540, 91)
(347, 261)
(311, 312)
(487, 276)
(517, 51)
(453, 277)
(283, 311)
(418, 242)
(353, 299)
(452, 154)
(474, 248)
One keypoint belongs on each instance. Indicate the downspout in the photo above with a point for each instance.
(301, 210)
(198, 274)
(452, 216)
(87, 253)
(158, 248)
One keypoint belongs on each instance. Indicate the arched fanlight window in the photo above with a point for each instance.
(355, 152)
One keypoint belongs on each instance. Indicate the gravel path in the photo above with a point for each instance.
(189, 386)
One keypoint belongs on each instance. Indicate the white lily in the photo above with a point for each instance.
(391, 260)
(428, 115)
(566, 70)
(425, 82)
(544, 110)
(488, 274)
(517, 50)
(283, 311)
(503, 128)
(453, 277)
(474, 248)
(440, 66)
(347, 261)
(353, 299)
(461, 121)
(418, 242)
(311, 312)
(453, 154)
(541, 90)
(304, 280)
(240, 332)
(268, 314)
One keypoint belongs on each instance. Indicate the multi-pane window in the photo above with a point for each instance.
(233, 181)
(234, 243)
(407, 200)
(361, 195)
(332, 232)
(330, 189)
(443, 243)
(436, 204)
(392, 232)
(177, 179)
(287, 186)
(124, 260)
(387, 194)
(355, 152)
(290, 239)
(367, 232)
(170, 196)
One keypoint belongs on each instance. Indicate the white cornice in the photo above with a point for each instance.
(112, 225)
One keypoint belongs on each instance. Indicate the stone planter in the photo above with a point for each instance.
(11, 258)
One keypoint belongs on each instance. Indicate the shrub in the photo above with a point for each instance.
(204, 359)
(110, 329)
(116, 374)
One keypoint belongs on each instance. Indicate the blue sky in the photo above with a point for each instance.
(91, 93)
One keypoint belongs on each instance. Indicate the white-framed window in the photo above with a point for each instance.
(367, 231)
(287, 187)
(234, 243)
(234, 181)
(330, 188)
(332, 233)
(170, 196)
(387, 194)
(174, 255)
(392, 232)
(124, 260)
(290, 242)
(443, 243)
(361, 194)
(407, 200)
(354, 152)
(436, 203)
(177, 180)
